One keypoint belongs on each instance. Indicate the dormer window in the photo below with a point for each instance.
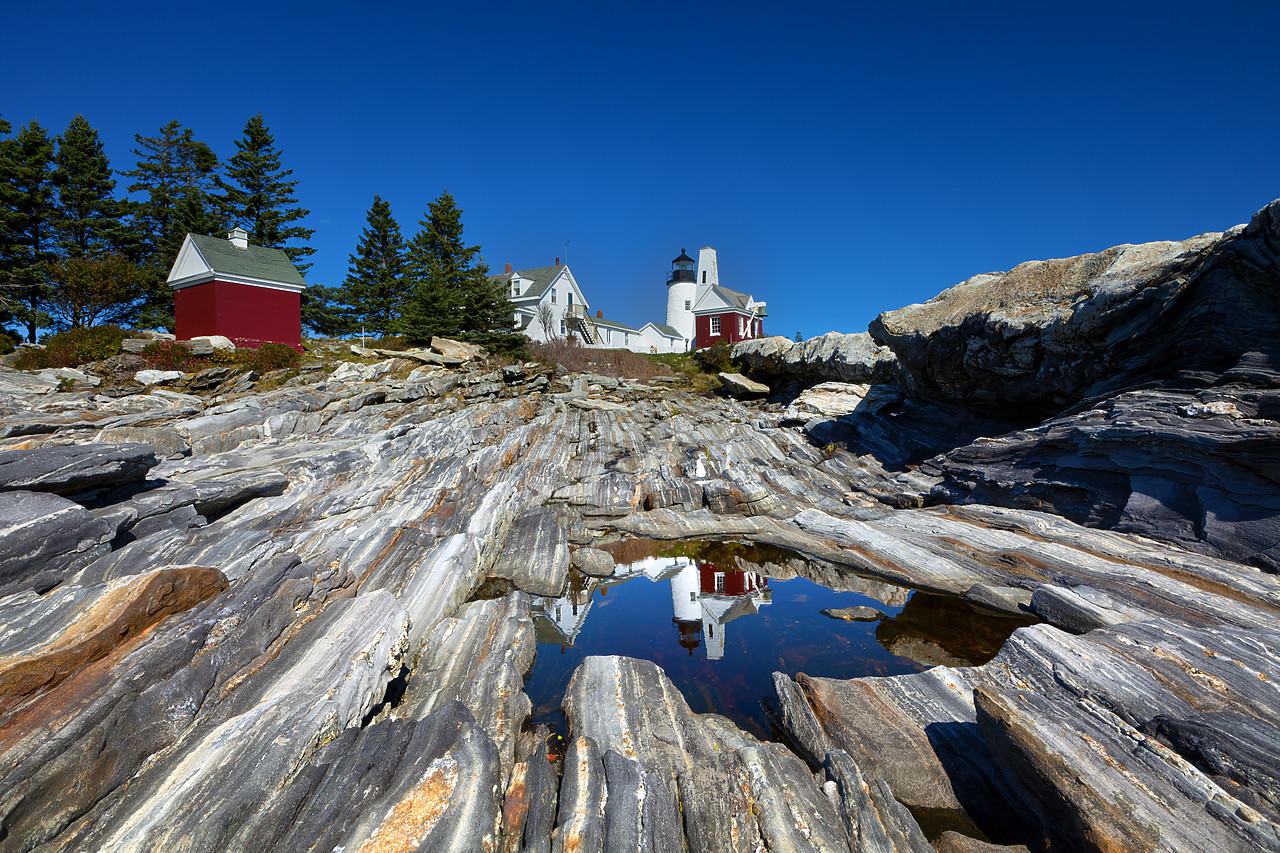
(515, 288)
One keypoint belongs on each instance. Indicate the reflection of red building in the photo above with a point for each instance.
(713, 581)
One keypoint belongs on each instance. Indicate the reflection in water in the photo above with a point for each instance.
(704, 598)
(672, 603)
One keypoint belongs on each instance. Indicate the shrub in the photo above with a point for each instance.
(717, 358)
(269, 357)
(74, 347)
(168, 355)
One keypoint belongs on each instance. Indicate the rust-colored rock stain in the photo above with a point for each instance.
(412, 819)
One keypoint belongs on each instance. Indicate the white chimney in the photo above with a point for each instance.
(238, 237)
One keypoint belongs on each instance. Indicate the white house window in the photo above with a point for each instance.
(704, 276)
(562, 331)
(515, 288)
(553, 295)
(715, 325)
(571, 297)
(686, 305)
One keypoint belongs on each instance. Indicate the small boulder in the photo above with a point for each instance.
(593, 562)
(457, 349)
(218, 342)
(158, 377)
(737, 385)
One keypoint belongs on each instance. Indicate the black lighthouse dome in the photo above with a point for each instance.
(682, 268)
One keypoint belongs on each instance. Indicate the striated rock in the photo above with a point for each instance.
(71, 470)
(640, 750)
(21, 384)
(73, 627)
(44, 538)
(829, 400)
(1055, 710)
(1137, 463)
(1047, 334)
(536, 555)
(832, 357)
(479, 658)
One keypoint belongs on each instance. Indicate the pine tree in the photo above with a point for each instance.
(6, 236)
(176, 173)
(27, 221)
(89, 215)
(374, 293)
(257, 197)
(452, 292)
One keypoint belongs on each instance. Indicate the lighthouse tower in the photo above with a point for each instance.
(682, 292)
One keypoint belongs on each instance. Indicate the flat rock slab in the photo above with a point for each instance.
(740, 386)
(854, 614)
(72, 470)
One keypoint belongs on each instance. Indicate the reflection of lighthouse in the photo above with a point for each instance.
(704, 599)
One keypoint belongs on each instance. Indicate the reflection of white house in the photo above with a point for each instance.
(703, 600)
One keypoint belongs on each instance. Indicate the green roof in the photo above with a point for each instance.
(540, 276)
(251, 262)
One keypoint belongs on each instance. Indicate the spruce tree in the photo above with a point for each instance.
(6, 236)
(89, 215)
(175, 172)
(452, 292)
(374, 293)
(257, 196)
(28, 213)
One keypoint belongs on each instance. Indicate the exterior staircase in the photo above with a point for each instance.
(580, 321)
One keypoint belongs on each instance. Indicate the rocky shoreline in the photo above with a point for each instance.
(246, 619)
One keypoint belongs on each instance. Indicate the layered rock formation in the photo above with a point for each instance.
(299, 618)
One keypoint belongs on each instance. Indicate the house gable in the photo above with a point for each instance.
(202, 259)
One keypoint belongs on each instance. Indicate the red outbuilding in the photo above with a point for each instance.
(249, 294)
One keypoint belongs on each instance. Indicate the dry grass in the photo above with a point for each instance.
(618, 363)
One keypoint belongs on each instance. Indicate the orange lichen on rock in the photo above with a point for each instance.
(409, 821)
(125, 611)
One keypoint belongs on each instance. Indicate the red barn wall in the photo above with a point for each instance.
(730, 331)
(249, 316)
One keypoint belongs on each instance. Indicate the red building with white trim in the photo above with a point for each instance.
(726, 315)
(249, 294)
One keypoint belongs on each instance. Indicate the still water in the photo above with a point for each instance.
(721, 617)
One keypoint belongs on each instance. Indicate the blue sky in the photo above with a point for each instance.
(843, 158)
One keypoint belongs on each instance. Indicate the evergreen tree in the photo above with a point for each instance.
(452, 292)
(175, 171)
(6, 238)
(27, 223)
(89, 215)
(374, 293)
(257, 197)
(321, 312)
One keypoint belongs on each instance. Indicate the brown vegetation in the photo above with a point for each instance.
(618, 363)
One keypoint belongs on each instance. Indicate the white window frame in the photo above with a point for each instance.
(553, 296)
(715, 325)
